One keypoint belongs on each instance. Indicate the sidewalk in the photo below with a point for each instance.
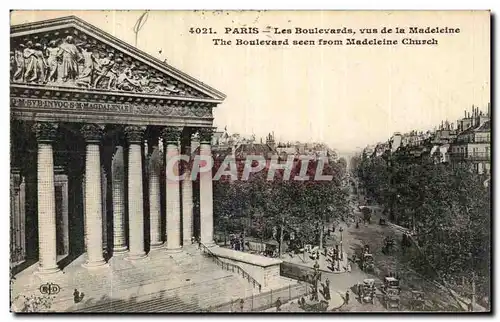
(325, 262)
(336, 302)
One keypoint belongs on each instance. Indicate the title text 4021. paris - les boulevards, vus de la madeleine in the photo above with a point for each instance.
(373, 40)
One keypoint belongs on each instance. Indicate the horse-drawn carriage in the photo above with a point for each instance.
(366, 291)
(391, 291)
(417, 302)
(391, 283)
(389, 243)
(367, 263)
(392, 299)
(367, 214)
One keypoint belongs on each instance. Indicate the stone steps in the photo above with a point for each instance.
(184, 282)
(132, 282)
(190, 298)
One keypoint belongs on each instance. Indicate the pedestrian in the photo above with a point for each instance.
(242, 305)
(347, 297)
(302, 302)
(348, 267)
(278, 305)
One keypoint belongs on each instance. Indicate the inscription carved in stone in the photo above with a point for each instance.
(194, 110)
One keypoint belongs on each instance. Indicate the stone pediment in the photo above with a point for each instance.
(72, 54)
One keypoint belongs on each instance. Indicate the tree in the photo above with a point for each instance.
(299, 206)
(449, 208)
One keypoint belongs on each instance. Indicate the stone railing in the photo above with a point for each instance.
(230, 267)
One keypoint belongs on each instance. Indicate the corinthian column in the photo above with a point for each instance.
(171, 136)
(118, 186)
(92, 133)
(187, 193)
(45, 135)
(155, 164)
(206, 194)
(134, 136)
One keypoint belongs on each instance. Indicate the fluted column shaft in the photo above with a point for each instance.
(187, 196)
(206, 190)
(134, 136)
(171, 137)
(154, 195)
(93, 195)
(46, 133)
(118, 187)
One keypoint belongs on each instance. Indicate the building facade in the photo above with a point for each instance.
(94, 122)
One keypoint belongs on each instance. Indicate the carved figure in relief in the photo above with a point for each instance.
(155, 85)
(126, 82)
(149, 83)
(12, 64)
(83, 64)
(19, 62)
(70, 58)
(41, 63)
(52, 61)
(89, 60)
(30, 61)
(105, 69)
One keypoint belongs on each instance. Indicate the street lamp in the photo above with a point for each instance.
(341, 249)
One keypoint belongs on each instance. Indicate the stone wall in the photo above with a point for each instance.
(264, 270)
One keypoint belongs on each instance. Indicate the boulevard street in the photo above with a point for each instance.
(436, 298)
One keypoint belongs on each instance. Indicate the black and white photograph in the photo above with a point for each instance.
(237, 161)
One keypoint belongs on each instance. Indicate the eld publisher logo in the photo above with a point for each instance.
(50, 289)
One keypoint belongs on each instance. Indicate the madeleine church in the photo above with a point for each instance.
(93, 123)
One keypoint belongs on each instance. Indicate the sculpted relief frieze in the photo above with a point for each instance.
(73, 59)
(198, 110)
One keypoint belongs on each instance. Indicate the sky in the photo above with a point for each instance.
(345, 96)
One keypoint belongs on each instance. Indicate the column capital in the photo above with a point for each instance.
(45, 131)
(206, 134)
(92, 133)
(134, 134)
(171, 134)
(187, 136)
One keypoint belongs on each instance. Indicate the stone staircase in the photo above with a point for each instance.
(182, 282)
(195, 297)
